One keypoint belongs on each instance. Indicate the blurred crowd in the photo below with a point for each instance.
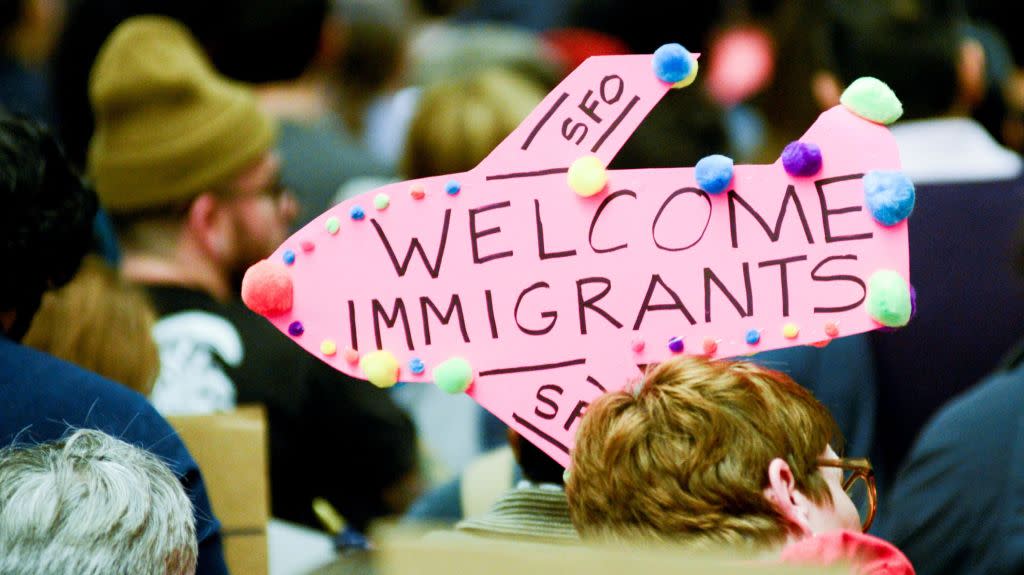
(152, 150)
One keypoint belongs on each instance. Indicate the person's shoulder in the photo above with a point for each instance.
(20, 364)
(45, 396)
(994, 401)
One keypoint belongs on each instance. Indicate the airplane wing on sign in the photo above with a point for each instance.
(504, 283)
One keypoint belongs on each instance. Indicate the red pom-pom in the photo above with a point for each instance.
(267, 288)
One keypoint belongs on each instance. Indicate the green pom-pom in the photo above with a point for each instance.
(381, 201)
(453, 375)
(872, 100)
(888, 300)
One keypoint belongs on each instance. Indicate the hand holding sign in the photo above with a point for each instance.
(545, 298)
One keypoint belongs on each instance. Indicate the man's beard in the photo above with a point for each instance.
(242, 264)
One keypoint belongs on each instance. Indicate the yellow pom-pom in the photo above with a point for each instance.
(380, 368)
(328, 347)
(587, 176)
(790, 331)
(689, 77)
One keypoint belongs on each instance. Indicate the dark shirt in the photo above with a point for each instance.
(958, 505)
(42, 397)
(24, 91)
(970, 305)
(331, 436)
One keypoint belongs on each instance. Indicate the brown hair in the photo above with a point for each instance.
(684, 457)
(459, 122)
(102, 323)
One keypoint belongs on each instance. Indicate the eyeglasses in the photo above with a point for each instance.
(859, 484)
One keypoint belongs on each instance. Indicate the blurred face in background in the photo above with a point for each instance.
(35, 34)
(261, 211)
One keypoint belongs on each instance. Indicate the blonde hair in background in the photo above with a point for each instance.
(459, 121)
(683, 458)
(102, 323)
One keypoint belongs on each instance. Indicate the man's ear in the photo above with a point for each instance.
(782, 492)
(970, 75)
(207, 224)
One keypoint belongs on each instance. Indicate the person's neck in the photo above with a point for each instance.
(196, 273)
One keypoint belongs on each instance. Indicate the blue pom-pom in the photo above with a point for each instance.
(672, 63)
(889, 196)
(714, 173)
(289, 257)
(801, 159)
(753, 337)
(357, 213)
(452, 187)
(416, 366)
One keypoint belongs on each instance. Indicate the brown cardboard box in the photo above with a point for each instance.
(231, 449)
(446, 553)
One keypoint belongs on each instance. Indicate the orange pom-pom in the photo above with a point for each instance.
(267, 288)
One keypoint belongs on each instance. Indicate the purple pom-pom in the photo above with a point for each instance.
(676, 344)
(801, 159)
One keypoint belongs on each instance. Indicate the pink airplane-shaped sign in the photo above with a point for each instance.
(543, 299)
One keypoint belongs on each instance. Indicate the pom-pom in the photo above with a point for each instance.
(831, 329)
(672, 63)
(710, 346)
(307, 246)
(913, 311)
(753, 337)
(637, 345)
(357, 213)
(889, 196)
(416, 366)
(381, 201)
(714, 173)
(452, 188)
(872, 100)
(295, 329)
(888, 300)
(328, 347)
(289, 257)
(380, 368)
(587, 176)
(676, 345)
(453, 375)
(267, 288)
(801, 159)
(689, 79)
(351, 356)
(332, 225)
(790, 331)
(417, 192)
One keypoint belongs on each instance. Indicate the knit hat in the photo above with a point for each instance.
(168, 126)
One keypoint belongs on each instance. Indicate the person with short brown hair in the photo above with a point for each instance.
(707, 452)
(723, 454)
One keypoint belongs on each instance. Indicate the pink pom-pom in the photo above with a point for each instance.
(267, 288)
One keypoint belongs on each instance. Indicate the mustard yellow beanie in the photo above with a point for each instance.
(168, 126)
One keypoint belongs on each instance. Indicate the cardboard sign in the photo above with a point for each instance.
(554, 298)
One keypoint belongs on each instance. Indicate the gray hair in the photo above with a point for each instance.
(91, 504)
